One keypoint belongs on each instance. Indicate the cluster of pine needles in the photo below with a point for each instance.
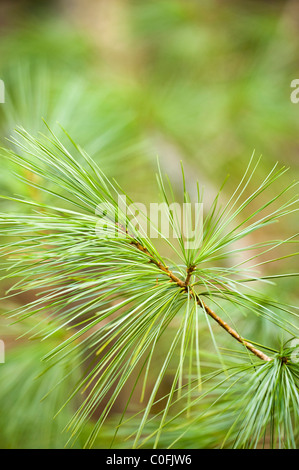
(113, 303)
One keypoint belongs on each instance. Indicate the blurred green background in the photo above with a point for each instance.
(205, 82)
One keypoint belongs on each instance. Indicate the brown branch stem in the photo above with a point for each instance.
(190, 270)
(232, 332)
(185, 285)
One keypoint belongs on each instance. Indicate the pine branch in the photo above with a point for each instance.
(190, 271)
(232, 332)
(185, 286)
(107, 289)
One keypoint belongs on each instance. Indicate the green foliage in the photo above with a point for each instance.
(202, 82)
(31, 393)
(115, 300)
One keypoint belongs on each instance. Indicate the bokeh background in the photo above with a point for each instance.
(205, 82)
